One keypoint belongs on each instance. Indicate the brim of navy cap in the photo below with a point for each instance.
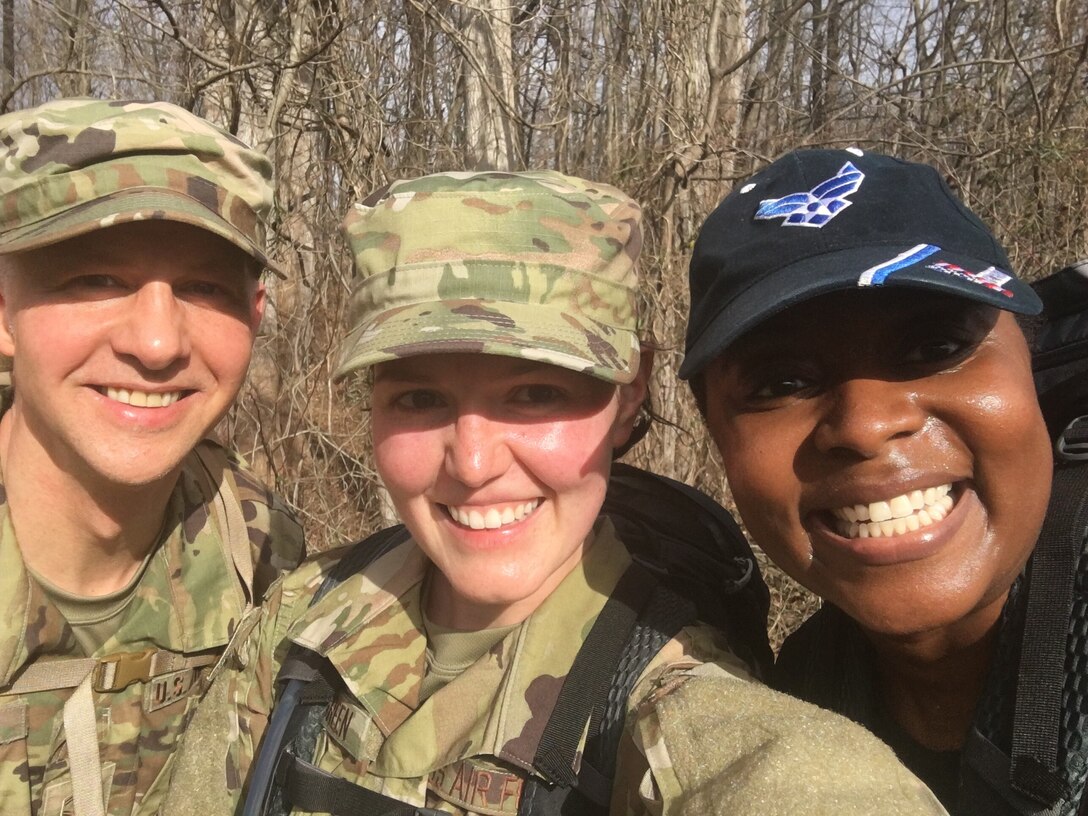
(128, 206)
(857, 268)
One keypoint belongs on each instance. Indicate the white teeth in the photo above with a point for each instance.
(895, 516)
(880, 511)
(901, 507)
(493, 517)
(143, 399)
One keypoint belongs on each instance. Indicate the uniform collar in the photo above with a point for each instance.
(34, 627)
(190, 575)
(371, 629)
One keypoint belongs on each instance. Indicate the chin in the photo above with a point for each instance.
(139, 474)
(912, 617)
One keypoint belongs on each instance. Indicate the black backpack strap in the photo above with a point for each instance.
(661, 619)
(640, 618)
(1034, 772)
(1072, 443)
(296, 717)
(317, 791)
(694, 546)
(585, 688)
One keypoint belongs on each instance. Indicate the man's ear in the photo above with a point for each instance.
(7, 334)
(632, 395)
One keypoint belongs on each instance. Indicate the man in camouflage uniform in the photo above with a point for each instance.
(132, 549)
(436, 712)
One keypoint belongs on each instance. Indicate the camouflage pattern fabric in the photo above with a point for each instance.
(73, 166)
(536, 265)
(467, 748)
(189, 602)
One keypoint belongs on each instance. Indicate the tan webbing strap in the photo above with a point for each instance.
(229, 514)
(88, 675)
(110, 673)
(246, 625)
(57, 674)
(81, 734)
(119, 671)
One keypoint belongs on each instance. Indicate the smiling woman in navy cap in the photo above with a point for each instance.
(854, 346)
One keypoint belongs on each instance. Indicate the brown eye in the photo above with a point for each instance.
(537, 394)
(938, 349)
(779, 387)
(419, 399)
(96, 282)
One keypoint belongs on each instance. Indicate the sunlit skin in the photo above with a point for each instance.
(464, 434)
(859, 397)
(160, 310)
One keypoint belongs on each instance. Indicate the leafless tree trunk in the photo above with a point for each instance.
(7, 22)
(488, 84)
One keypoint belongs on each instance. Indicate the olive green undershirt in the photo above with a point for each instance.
(95, 619)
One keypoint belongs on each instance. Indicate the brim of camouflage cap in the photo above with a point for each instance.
(526, 331)
(133, 204)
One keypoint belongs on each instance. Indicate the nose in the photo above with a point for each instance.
(863, 416)
(153, 328)
(477, 450)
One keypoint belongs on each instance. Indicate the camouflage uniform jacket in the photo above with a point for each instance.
(189, 602)
(467, 748)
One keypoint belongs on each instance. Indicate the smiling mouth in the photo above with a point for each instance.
(492, 518)
(896, 516)
(142, 399)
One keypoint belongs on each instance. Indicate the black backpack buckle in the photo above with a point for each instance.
(1072, 444)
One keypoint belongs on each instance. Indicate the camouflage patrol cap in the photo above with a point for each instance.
(535, 265)
(73, 166)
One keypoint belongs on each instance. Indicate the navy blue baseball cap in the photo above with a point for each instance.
(819, 221)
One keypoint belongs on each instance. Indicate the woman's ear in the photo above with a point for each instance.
(632, 395)
(7, 334)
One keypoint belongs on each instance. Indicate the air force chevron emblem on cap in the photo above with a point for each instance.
(819, 205)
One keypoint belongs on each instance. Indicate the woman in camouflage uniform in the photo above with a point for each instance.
(496, 316)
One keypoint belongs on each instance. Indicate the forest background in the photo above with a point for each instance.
(671, 100)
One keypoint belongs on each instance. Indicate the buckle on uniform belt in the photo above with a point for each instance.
(119, 671)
